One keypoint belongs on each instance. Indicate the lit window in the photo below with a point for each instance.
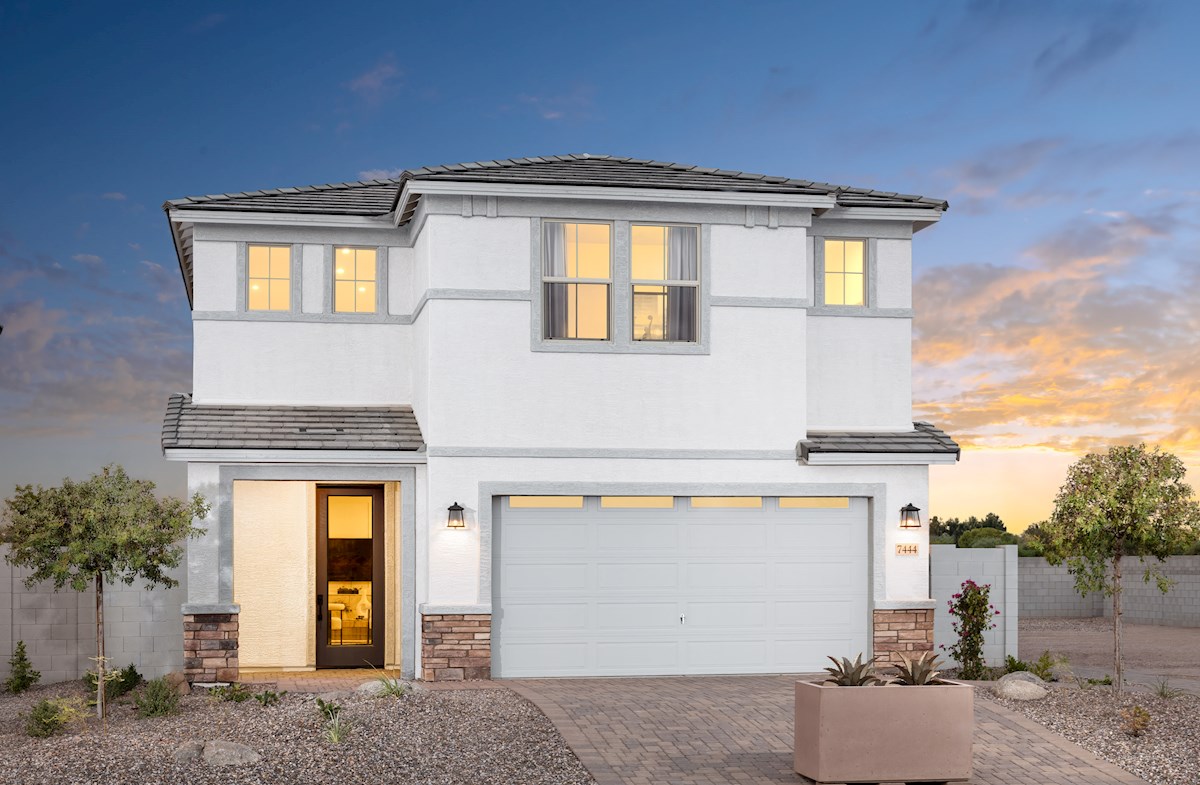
(718, 502)
(546, 502)
(576, 278)
(354, 280)
(813, 503)
(845, 273)
(665, 266)
(637, 502)
(269, 282)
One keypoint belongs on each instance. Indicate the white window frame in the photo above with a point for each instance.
(556, 279)
(634, 282)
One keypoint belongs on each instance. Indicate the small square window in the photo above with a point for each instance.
(269, 278)
(845, 272)
(354, 279)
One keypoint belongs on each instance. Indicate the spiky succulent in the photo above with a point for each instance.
(918, 671)
(852, 674)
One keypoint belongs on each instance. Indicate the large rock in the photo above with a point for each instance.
(1019, 689)
(178, 682)
(229, 753)
(188, 752)
(1021, 676)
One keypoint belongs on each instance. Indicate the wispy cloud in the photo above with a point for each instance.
(113, 196)
(378, 82)
(89, 259)
(576, 104)
(1099, 41)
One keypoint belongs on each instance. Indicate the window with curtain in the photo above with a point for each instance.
(666, 282)
(845, 272)
(576, 279)
(354, 280)
(269, 278)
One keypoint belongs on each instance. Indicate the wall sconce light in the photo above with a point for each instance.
(455, 519)
(910, 516)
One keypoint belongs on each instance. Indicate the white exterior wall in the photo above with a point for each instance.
(477, 253)
(894, 271)
(454, 556)
(302, 363)
(214, 275)
(759, 262)
(995, 567)
(859, 373)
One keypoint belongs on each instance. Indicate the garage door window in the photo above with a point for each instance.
(813, 503)
(637, 502)
(718, 502)
(546, 502)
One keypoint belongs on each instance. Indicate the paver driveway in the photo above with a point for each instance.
(738, 729)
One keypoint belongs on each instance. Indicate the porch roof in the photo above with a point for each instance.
(924, 438)
(189, 426)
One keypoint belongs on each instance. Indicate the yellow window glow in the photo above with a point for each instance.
(845, 272)
(546, 502)
(813, 503)
(637, 502)
(713, 502)
(269, 277)
(577, 273)
(354, 273)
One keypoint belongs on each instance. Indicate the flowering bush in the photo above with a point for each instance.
(972, 616)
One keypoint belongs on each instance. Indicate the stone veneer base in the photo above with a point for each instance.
(907, 631)
(210, 647)
(456, 646)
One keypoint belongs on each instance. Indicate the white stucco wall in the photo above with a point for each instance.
(312, 278)
(894, 268)
(859, 373)
(302, 363)
(401, 298)
(214, 275)
(454, 555)
(478, 253)
(758, 262)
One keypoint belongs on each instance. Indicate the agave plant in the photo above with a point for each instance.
(918, 671)
(852, 674)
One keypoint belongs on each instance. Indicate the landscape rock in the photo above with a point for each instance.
(1019, 689)
(229, 753)
(370, 688)
(188, 752)
(179, 683)
(1021, 676)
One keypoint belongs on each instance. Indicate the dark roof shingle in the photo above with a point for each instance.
(924, 439)
(191, 427)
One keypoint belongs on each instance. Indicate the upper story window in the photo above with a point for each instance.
(845, 272)
(665, 267)
(354, 278)
(576, 280)
(269, 283)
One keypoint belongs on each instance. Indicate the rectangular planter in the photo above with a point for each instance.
(884, 734)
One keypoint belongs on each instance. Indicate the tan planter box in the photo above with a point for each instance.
(884, 734)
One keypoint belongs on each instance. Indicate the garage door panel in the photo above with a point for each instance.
(815, 536)
(643, 536)
(833, 576)
(555, 535)
(645, 615)
(637, 657)
(535, 658)
(721, 655)
(825, 612)
(637, 576)
(524, 577)
(537, 616)
(799, 653)
(707, 576)
(747, 615)
(726, 536)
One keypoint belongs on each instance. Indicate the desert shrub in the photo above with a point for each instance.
(1164, 690)
(337, 728)
(985, 537)
(1135, 720)
(972, 616)
(157, 699)
(1043, 666)
(45, 719)
(117, 683)
(232, 693)
(1013, 665)
(269, 697)
(21, 675)
(329, 710)
(1104, 682)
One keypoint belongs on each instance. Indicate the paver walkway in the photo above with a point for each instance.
(738, 729)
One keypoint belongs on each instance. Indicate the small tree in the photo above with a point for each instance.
(1129, 501)
(110, 527)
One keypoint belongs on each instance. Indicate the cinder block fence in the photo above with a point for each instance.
(949, 567)
(1048, 591)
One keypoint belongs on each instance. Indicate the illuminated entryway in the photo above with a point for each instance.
(351, 626)
(668, 585)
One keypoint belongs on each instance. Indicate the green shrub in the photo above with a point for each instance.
(972, 616)
(269, 697)
(157, 699)
(1043, 666)
(1164, 690)
(118, 683)
(985, 538)
(1013, 665)
(45, 719)
(232, 693)
(1105, 682)
(21, 676)
(330, 711)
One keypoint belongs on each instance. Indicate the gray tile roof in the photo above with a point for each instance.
(191, 427)
(924, 439)
(378, 197)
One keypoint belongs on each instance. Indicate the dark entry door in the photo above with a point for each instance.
(350, 601)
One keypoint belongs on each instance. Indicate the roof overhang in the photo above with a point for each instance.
(919, 217)
(280, 219)
(412, 190)
(878, 458)
(358, 457)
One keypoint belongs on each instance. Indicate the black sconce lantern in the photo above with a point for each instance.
(455, 520)
(910, 516)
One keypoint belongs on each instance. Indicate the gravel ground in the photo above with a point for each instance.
(1167, 754)
(1154, 649)
(467, 736)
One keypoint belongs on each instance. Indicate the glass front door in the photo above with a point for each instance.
(350, 583)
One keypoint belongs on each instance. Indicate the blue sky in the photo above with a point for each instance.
(1055, 300)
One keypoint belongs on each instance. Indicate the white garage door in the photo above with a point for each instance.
(607, 586)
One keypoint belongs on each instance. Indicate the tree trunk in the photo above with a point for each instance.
(1118, 679)
(100, 683)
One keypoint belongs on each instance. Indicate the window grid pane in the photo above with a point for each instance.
(577, 272)
(658, 255)
(354, 289)
(845, 272)
(268, 279)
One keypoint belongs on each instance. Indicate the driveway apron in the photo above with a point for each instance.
(738, 729)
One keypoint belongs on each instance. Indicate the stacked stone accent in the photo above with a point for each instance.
(210, 647)
(456, 646)
(907, 631)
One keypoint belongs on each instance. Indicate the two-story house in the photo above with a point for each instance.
(562, 416)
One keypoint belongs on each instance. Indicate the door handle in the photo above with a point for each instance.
(683, 618)
(320, 606)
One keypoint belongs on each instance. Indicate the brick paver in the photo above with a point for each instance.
(738, 729)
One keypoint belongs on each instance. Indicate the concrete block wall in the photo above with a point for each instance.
(949, 567)
(59, 628)
(1049, 592)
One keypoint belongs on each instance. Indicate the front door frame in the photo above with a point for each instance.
(352, 656)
